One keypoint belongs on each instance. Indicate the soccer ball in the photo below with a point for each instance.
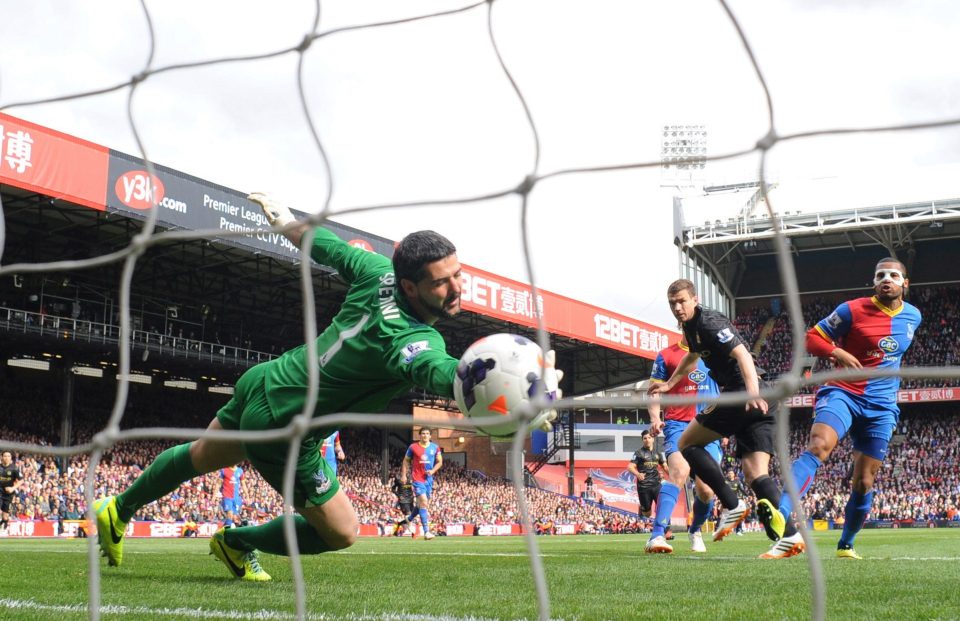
(498, 374)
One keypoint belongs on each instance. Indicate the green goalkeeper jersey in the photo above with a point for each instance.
(374, 350)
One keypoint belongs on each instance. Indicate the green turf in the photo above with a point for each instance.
(908, 574)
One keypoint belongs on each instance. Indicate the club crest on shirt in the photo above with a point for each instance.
(321, 481)
(888, 344)
(697, 376)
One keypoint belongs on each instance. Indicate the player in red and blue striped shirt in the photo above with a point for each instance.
(232, 501)
(675, 421)
(424, 458)
(332, 451)
(872, 332)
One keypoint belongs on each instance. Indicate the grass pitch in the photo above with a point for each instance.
(907, 574)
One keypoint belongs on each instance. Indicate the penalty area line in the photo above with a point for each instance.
(451, 553)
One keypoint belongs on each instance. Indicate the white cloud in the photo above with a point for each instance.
(423, 111)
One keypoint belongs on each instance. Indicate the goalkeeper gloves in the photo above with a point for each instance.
(277, 215)
(551, 380)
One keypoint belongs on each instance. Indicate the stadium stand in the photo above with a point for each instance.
(920, 479)
(936, 342)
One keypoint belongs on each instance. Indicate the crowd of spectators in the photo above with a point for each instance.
(52, 491)
(935, 342)
(920, 480)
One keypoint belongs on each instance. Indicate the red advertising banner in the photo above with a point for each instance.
(496, 296)
(61, 166)
(42, 160)
(912, 395)
(168, 530)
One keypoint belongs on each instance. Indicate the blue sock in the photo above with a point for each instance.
(804, 471)
(666, 500)
(701, 510)
(425, 520)
(854, 515)
(412, 518)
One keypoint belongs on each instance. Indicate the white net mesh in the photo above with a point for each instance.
(516, 115)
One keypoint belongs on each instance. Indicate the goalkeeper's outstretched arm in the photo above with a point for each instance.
(280, 215)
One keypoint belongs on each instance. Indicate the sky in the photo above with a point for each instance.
(423, 111)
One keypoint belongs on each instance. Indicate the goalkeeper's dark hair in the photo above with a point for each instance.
(416, 250)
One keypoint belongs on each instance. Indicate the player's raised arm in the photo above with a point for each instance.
(328, 249)
(279, 215)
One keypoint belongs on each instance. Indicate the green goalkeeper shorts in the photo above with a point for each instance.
(314, 482)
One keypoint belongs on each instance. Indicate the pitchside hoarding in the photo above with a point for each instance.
(189, 203)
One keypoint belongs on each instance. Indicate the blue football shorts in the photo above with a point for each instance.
(232, 505)
(423, 489)
(870, 425)
(673, 429)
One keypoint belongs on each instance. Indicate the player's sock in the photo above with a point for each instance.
(666, 500)
(412, 518)
(269, 537)
(804, 470)
(171, 468)
(701, 511)
(858, 506)
(766, 487)
(425, 520)
(703, 465)
(228, 523)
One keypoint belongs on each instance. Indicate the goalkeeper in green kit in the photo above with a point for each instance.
(380, 344)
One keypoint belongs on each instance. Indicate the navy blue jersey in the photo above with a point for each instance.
(646, 462)
(713, 336)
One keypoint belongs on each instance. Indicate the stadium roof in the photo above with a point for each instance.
(74, 200)
(832, 250)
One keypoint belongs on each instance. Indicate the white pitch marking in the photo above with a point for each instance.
(200, 613)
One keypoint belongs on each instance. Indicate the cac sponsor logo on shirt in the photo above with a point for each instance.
(412, 350)
(888, 344)
(697, 376)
